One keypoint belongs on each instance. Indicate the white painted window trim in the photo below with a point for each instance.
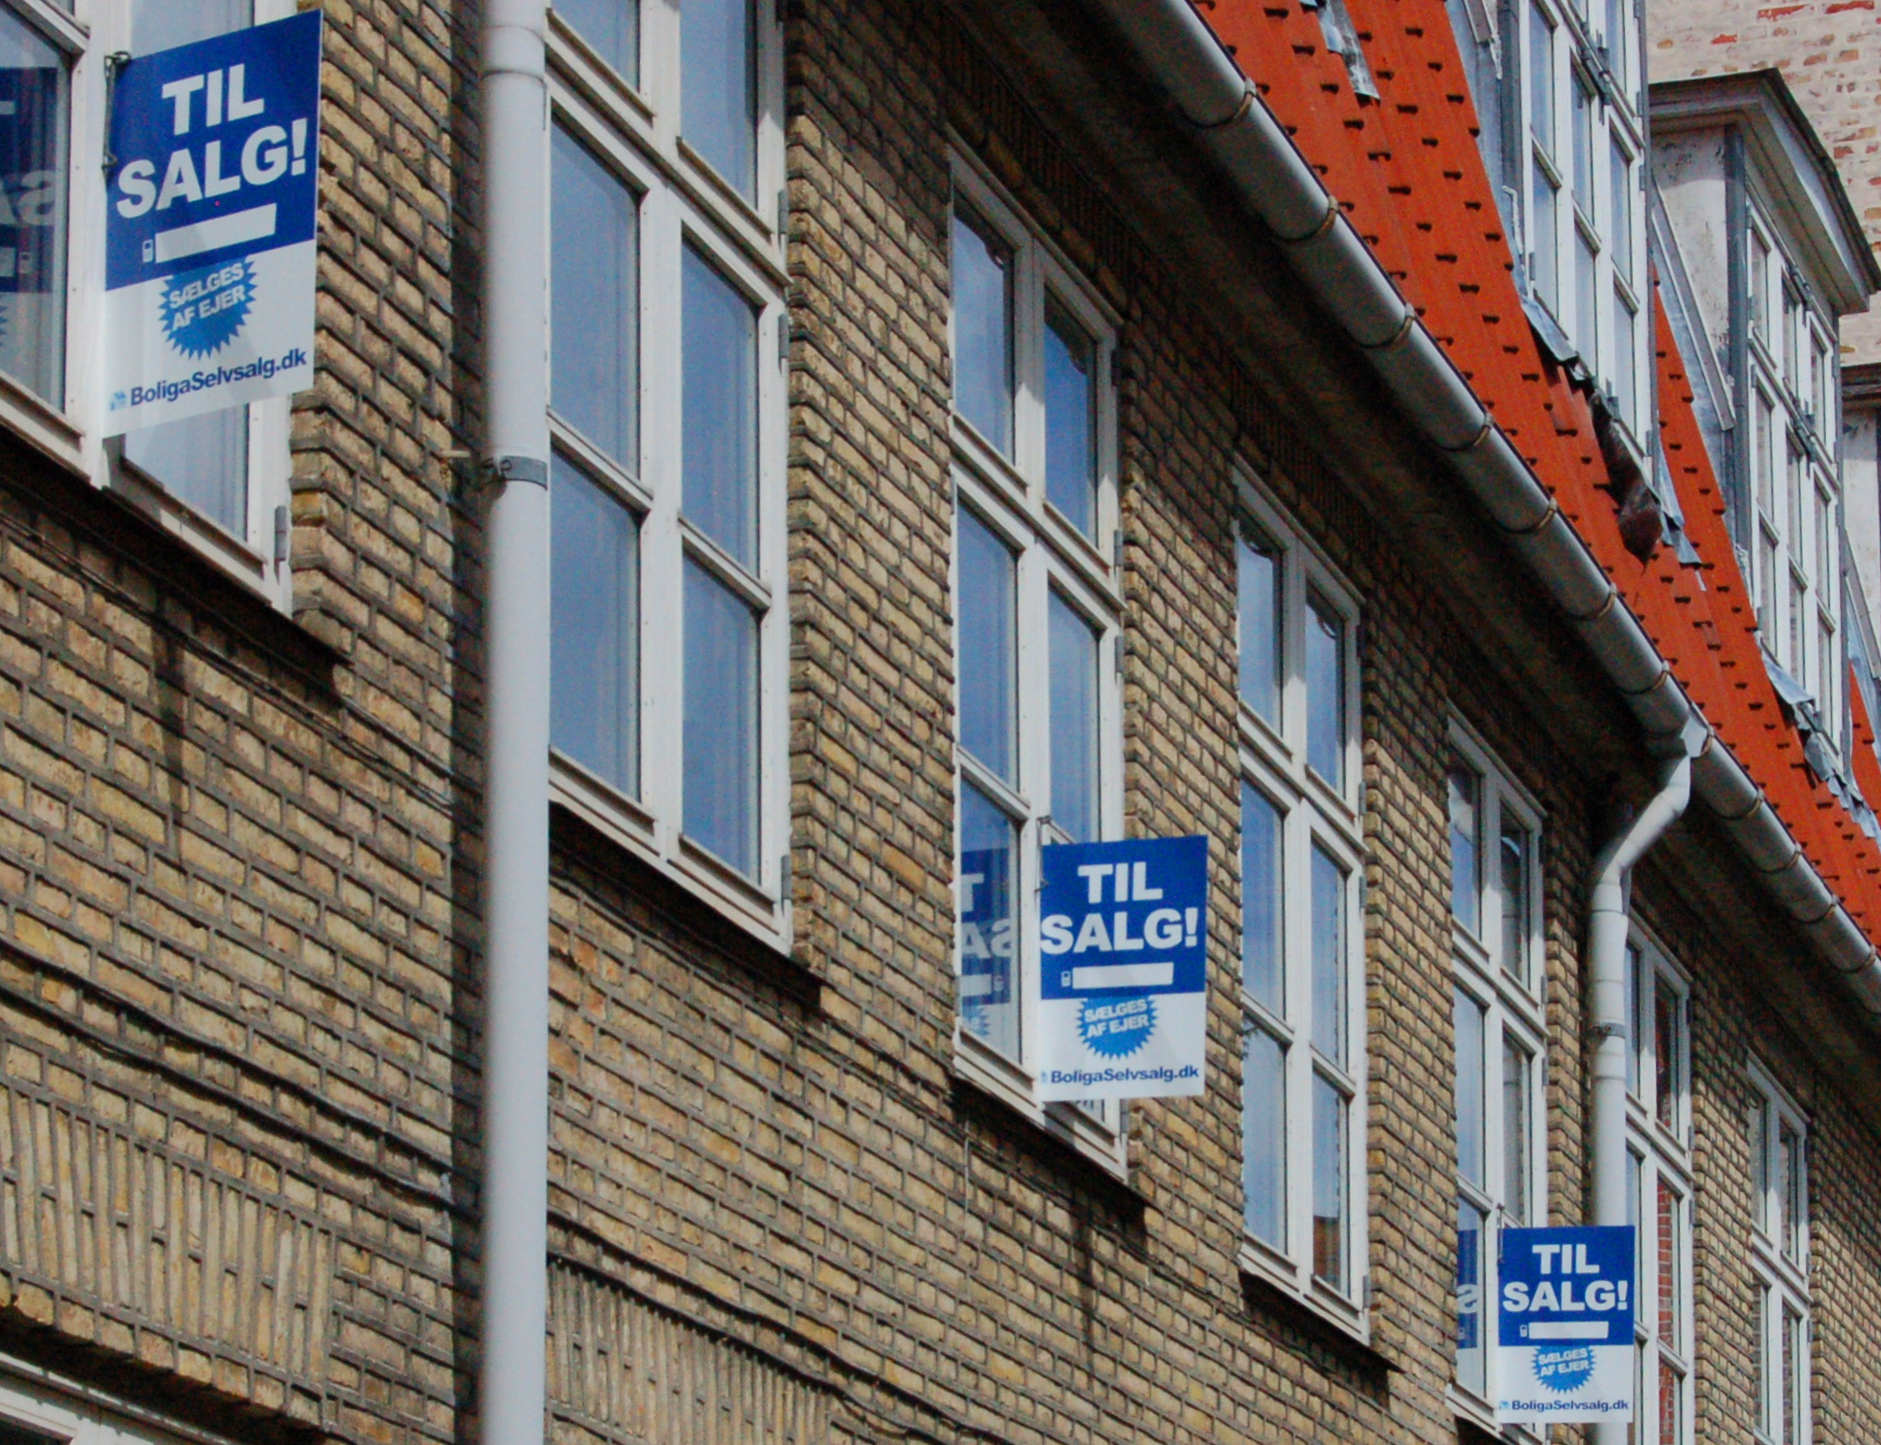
(1659, 1153)
(1513, 1006)
(1782, 1280)
(45, 1402)
(1273, 761)
(1008, 496)
(681, 200)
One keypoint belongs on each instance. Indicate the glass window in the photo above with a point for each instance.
(719, 87)
(34, 107)
(1258, 568)
(983, 359)
(594, 380)
(1325, 690)
(1465, 844)
(721, 720)
(1329, 965)
(1329, 1182)
(1070, 418)
(1517, 1138)
(989, 653)
(989, 857)
(1622, 211)
(611, 28)
(719, 412)
(1514, 899)
(1263, 1137)
(1660, 1199)
(1262, 955)
(1470, 1028)
(594, 590)
(1076, 779)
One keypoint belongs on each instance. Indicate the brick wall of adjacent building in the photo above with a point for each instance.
(1830, 53)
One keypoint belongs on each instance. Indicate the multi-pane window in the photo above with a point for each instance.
(1791, 472)
(1779, 1259)
(1570, 157)
(1495, 911)
(1660, 1192)
(35, 86)
(1303, 1048)
(666, 408)
(1037, 618)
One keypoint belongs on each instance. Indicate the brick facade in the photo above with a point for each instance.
(239, 868)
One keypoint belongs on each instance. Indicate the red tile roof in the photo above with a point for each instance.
(1407, 173)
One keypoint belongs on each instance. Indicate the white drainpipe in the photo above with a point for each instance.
(1607, 1011)
(514, 1312)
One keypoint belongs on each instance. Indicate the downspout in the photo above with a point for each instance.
(513, 1318)
(1607, 1021)
(1277, 186)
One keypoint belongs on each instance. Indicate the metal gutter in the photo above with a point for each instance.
(1281, 190)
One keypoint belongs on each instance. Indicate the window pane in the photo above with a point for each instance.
(1329, 1118)
(1583, 102)
(1790, 1201)
(1636, 1042)
(1465, 832)
(32, 240)
(594, 591)
(1515, 899)
(1325, 690)
(1671, 1406)
(1468, 1015)
(201, 461)
(1070, 418)
(1622, 224)
(1542, 242)
(988, 659)
(163, 24)
(982, 282)
(1759, 282)
(1264, 1138)
(1541, 77)
(989, 851)
(1258, 569)
(1329, 1024)
(1795, 1352)
(1669, 1264)
(719, 409)
(1587, 305)
(1517, 1071)
(1074, 719)
(1470, 1282)
(719, 87)
(1758, 1145)
(611, 28)
(1666, 1041)
(594, 377)
(1625, 359)
(1766, 1377)
(1261, 952)
(721, 720)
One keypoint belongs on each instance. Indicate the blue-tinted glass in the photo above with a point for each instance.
(718, 108)
(32, 235)
(1075, 782)
(988, 658)
(594, 379)
(200, 460)
(982, 281)
(1515, 851)
(721, 725)
(1325, 690)
(1070, 419)
(164, 24)
(989, 998)
(1470, 1356)
(719, 409)
(1623, 195)
(1329, 1248)
(594, 590)
(1468, 1015)
(1465, 844)
(1264, 1138)
(611, 28)
(1257, 567)
(1261, 955)
(1328, 883)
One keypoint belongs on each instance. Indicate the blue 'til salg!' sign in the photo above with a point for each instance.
(1123, 968)
(1564, 1331)
(209, 234)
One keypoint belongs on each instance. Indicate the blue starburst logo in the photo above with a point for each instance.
(1116, 1027)
(1565, 1369)
(203, 310)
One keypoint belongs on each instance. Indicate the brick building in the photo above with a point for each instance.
(956, 429)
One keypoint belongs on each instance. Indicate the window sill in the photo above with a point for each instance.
(40, 426)
(992, 1074)
(1352, 1321)
(1478, 1412)
(270, 581)
(756, 912)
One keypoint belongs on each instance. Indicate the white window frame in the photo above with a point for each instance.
(1785, 547)
(1660, 1152)
(1514, 1006)
(1781, 1275)
(73, 434)
(1580, 52)
(1051, 556)
(1313, 813)
(634, 133)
